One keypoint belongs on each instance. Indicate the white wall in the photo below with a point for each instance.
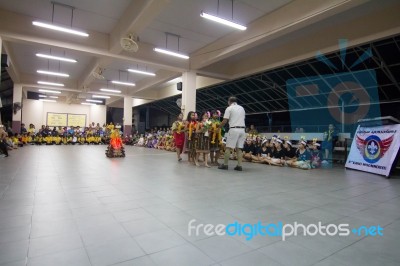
(35, 112)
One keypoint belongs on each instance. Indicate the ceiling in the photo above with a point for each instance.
(216, 51)
(267, 92)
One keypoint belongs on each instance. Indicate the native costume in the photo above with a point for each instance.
(115, 148)
(179, 135)
(216, 135)
(203, 137)
(192, 138)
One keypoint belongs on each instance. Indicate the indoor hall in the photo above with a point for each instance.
(135, 210)
(90, 93)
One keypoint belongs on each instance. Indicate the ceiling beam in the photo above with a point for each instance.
(136, 17)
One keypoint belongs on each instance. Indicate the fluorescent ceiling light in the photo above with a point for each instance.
(59, 28)
(222, 21)
(49, 91)
(50, 83)
(110, 90)
(94, 101)
(42, 96)
(123, 83)
(52, 73)
(88, 103)
(101, 96)
(175, 80)
(163, 51)
(54, 97)
(65, 59)
(46, 100)
(141, 72)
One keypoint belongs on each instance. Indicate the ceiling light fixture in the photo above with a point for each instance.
(49, 91)
(47, 56)
(110, 90)
(88, 103)
(123, 83)
(222, 21)
(168, 52)
(163, 51)
(141, 72)
(52, 73)
(51, 83)
(101, 96)
(94, 101)
(59, 28)
(53, 97)
(42, 96)
(46, 100)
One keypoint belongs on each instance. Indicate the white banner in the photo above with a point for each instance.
(374, 149)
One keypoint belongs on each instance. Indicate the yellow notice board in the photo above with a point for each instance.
(76, 120)
(56, 119)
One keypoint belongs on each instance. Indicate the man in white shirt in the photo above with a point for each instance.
(234, 115)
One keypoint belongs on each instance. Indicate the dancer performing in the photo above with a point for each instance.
(179, 135)
(115, 148)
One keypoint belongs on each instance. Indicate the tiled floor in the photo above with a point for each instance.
(71, 205)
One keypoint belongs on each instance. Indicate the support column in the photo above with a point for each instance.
(17, 114)
(147, 118)
(127, 115)
(188, 92)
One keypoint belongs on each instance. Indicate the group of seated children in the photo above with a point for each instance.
(280, 152)
(160, 141)
(65, 135)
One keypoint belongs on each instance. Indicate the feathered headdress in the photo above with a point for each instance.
(315, 142)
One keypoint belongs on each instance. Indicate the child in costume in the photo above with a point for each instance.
(115, 148)
(190, 128)
(178, 129)
(215, 137)
(203, 142)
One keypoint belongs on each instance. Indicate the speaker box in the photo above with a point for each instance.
(4, 60)
(179, 86)
(32, 95)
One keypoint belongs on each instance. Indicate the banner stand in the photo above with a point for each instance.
(375, 147)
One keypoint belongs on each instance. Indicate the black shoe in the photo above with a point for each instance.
(223, 167)
(238, 168)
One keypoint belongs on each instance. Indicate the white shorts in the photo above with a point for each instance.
(235, 138)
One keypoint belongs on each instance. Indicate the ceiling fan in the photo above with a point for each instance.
(130, 43)
(98, 73)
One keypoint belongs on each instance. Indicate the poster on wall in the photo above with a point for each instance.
(374, 149)
(76, 120)
(56, 119)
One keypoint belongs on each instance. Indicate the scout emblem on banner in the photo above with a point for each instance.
(373, 148)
